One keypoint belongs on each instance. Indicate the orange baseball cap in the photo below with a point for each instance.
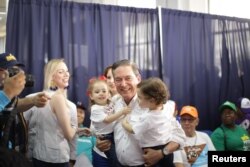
(190, 110)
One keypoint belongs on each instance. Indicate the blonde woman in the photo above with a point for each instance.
(56, 123)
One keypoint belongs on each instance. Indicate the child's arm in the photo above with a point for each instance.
(115, 116)
(126, 125)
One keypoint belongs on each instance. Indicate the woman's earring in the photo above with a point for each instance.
(53, 86)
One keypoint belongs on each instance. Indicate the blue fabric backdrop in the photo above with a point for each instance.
(205, 58)
(88, 36)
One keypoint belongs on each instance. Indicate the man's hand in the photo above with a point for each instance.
(103, 145)
(151, 156)
(13, 86)
(40, 99)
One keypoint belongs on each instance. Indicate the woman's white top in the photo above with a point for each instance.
(50, 145)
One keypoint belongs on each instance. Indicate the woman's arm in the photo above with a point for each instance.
(60, 108)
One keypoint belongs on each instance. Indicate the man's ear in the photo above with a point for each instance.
(197, 122)
(138, 76)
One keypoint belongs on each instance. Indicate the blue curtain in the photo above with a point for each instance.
(206, 61)
(205, 58)
(88, 36)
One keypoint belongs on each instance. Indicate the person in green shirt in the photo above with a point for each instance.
(229, 136)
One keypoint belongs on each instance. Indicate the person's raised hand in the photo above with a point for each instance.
(127, 110)
(13, 86)
(41, 99)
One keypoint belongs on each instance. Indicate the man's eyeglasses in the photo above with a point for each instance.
(189, 120)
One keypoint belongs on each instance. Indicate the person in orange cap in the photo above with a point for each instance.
(197, 143)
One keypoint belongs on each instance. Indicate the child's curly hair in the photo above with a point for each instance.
(154, 88)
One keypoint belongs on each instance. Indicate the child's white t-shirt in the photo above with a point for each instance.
(97, 116)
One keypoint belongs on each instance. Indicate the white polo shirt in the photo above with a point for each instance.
(127, 147)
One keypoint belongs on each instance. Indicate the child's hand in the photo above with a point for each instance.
(127, 110)
(84, 132)
(127, 126)
(124, 122)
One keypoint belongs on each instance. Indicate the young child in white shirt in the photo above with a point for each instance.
(102, 113)
(158, 127)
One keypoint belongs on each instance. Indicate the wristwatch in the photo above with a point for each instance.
(165, 151)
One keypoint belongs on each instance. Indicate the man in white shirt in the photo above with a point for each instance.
(129, 154)
(195, 152)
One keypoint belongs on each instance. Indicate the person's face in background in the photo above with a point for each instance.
(61, 76)
(126, 82)
(228, 117)
(110, 82)
(80, 116)
(188, 124)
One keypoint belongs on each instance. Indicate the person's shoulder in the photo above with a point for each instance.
(4, 99)
(71, 104)
(3, 95)
(58, 97)
(170, 102)
(239, 128)
(218, 131)
(170, 106)
(203, 135)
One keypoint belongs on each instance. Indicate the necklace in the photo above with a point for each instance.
(192, 151)
(195, 140)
